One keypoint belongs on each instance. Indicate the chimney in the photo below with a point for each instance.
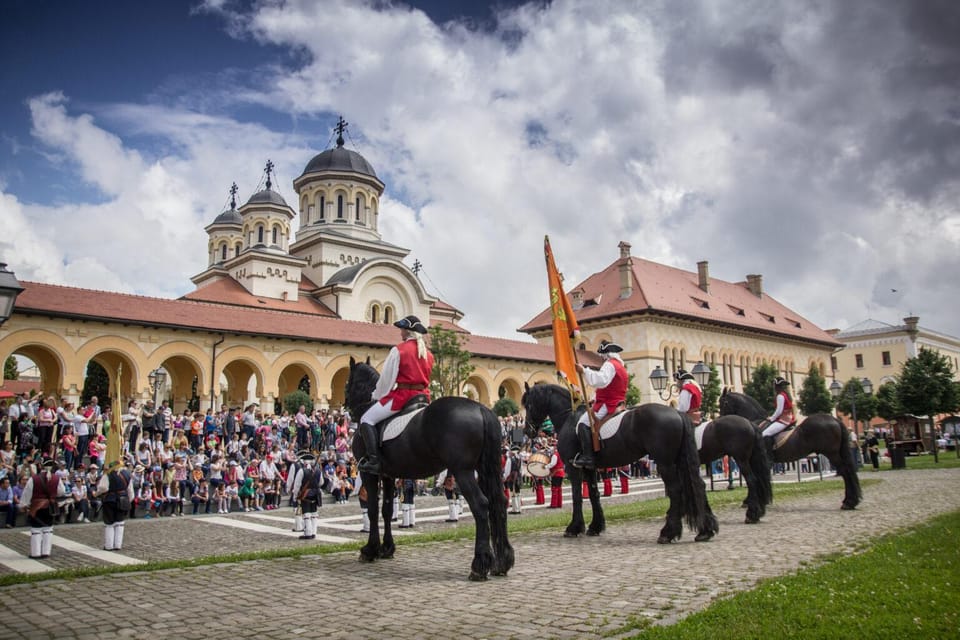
(703, 275)
(577, 296)
(626, 270)
(755, 284)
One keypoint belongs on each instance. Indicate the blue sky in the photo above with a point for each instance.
(815, 143)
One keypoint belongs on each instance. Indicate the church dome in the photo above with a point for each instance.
(267, 196)
(230, 216)
(340, 159)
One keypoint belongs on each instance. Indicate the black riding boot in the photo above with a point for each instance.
(768, 444)
(584, 459)
(370, 462)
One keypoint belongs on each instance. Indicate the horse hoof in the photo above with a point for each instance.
(751, 521)
(703, 537)
(847, 507)
(477, 577)
(591, 532)
(386, 555)
(665, 540)
(571, 534)
(365, 558)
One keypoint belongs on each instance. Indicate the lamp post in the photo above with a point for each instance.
(662, 384)
(9, 290)
(157, 378)
(836, 391)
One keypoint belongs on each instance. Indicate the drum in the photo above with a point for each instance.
(537, 465)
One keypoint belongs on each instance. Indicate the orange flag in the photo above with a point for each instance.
(565, 327)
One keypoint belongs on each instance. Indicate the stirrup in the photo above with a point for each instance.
(369, 465)
(582, 462)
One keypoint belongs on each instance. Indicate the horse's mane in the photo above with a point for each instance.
(750, 401)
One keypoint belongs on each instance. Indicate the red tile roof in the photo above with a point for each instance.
(71, 302)
(667, 291)
(229, 291)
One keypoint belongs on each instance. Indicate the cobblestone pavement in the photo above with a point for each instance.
(424, 592)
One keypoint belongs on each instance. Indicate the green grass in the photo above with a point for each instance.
(614, 512)
(948, 460)
(903, 585)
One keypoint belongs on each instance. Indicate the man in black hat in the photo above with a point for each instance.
(691, 396)
(406, 373)
(783, 415)
(306, 487)
(116, 491)
(610, 381)
(39, 498)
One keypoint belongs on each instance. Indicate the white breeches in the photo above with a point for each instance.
(774, 428)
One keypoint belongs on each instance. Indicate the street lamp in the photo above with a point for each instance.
(9, 290)
(660, 380)
(157, 378)
(836, 391)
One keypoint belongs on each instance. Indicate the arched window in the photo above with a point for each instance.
(276, 235)
(236, 250)
(375, 313)
(223, 252)
(356, 215)
(260, 234)
(323, 208)
(388, 315)
(340, 207)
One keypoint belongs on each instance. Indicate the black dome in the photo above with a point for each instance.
(267, 196)
(340, 159)
(230, 216)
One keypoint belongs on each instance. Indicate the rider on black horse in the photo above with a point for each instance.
(691, 396)
(406, 373)
(783, 416)
(610, 381)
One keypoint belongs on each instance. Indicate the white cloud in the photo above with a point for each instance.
(788, 139)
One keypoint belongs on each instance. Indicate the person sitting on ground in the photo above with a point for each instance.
(201, 497)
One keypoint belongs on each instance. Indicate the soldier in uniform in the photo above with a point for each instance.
(39, 499)
(610, 381)
(406, 374)
(512, 479)
(116, 490)
(306, 486)
(783, 415)
(624, 473)
(691, 395)
(452, 492)
(409, 489)
(557, 474)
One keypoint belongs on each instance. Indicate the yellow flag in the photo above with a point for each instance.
(565, 327)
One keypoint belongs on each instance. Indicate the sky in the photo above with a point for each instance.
(814, 142)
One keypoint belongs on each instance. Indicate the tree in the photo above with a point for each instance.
(506, 406)
(633, 392)
(888, 401)
(760, 387)
(853, 394)
(10, 370)
(710, 402)
(814, 396)
(293, 400)
(451, 362)
(96, 383)
(926, 386)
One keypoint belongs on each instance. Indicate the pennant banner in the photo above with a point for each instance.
(565, 327)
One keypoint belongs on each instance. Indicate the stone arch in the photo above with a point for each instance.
(52, 354)
(478, 387)
(290, 368)
(112, 351)
(511, 382)
(183, 362)
(238, 364)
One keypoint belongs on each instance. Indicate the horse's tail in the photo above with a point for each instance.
(490, 476)
(696, 510)
(848, 469)
(760, 465)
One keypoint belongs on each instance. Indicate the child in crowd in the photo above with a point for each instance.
(231, 491)
(201, 496)
(145, 497)
(246, 494)
(220, 497)
(157, 498)
(174, 499)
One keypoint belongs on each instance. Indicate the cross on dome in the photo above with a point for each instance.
(233, 195)
(269, 170)
(340, 128)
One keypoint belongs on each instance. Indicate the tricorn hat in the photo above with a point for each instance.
(781, 382)
(682, 374)
(608, 347)
(410, 323)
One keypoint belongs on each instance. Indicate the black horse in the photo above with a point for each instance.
(451, 433)
(660, 431)
(819, 433)
(738, 438)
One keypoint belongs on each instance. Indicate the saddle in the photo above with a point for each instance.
(414, 404)
(781, 438)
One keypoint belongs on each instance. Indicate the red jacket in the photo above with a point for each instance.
(614, 393)
(412, 372)
(696, 396)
